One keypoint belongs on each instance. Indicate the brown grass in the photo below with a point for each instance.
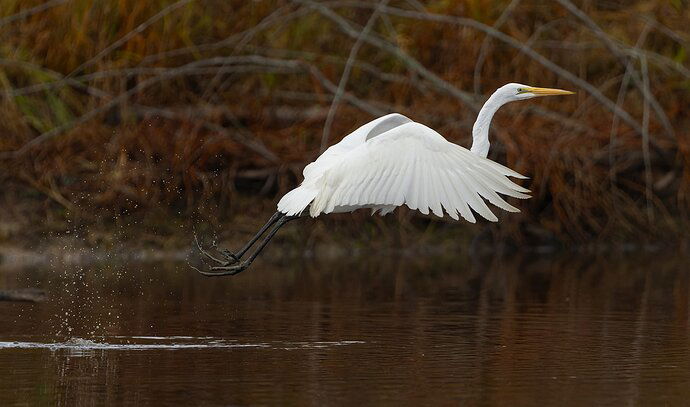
(212, 107)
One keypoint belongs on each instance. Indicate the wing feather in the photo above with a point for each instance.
(422, 191)
(412, 188)
(449, 199)
(461, 204)
(491, 195)
(436, 195)
(464, 207)
(474, 200)
(502, 184)
(411, 164)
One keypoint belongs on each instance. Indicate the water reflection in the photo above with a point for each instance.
(514, 331)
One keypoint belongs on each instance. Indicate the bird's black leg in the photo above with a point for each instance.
(235, 257)
(231, 258)
(232, 269)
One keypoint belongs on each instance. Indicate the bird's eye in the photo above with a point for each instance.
(520, 90)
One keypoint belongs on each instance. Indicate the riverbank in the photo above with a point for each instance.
(157, 237)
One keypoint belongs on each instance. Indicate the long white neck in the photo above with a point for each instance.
(480, 130)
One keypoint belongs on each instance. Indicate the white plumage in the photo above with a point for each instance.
(393, 161)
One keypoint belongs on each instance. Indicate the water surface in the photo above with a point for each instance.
(569, 330)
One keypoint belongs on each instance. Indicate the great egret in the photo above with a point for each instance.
(393, 161)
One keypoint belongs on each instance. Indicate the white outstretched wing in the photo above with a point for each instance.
(413, 165)
(295, 201)
(353, 140)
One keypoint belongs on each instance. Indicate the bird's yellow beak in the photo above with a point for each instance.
(548, 91)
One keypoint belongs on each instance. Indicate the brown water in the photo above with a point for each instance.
(570, 330)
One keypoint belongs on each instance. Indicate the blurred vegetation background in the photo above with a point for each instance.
(144, 119)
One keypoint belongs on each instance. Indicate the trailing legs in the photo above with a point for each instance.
(232, 263)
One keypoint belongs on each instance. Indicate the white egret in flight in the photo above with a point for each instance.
(393, 161)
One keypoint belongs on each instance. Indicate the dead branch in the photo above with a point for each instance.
(23, 295)
(346, 74)
(31, 11)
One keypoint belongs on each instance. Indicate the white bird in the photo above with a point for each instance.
(393, 161)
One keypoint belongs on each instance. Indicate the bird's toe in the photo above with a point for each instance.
(230, 257)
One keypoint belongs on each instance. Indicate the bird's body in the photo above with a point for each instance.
(393, 161)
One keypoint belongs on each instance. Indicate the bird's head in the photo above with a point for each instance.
(518, 91)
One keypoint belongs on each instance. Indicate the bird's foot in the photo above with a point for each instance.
(217, 271)
(229, 258)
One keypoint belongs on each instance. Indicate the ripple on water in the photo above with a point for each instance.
(134, 343)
